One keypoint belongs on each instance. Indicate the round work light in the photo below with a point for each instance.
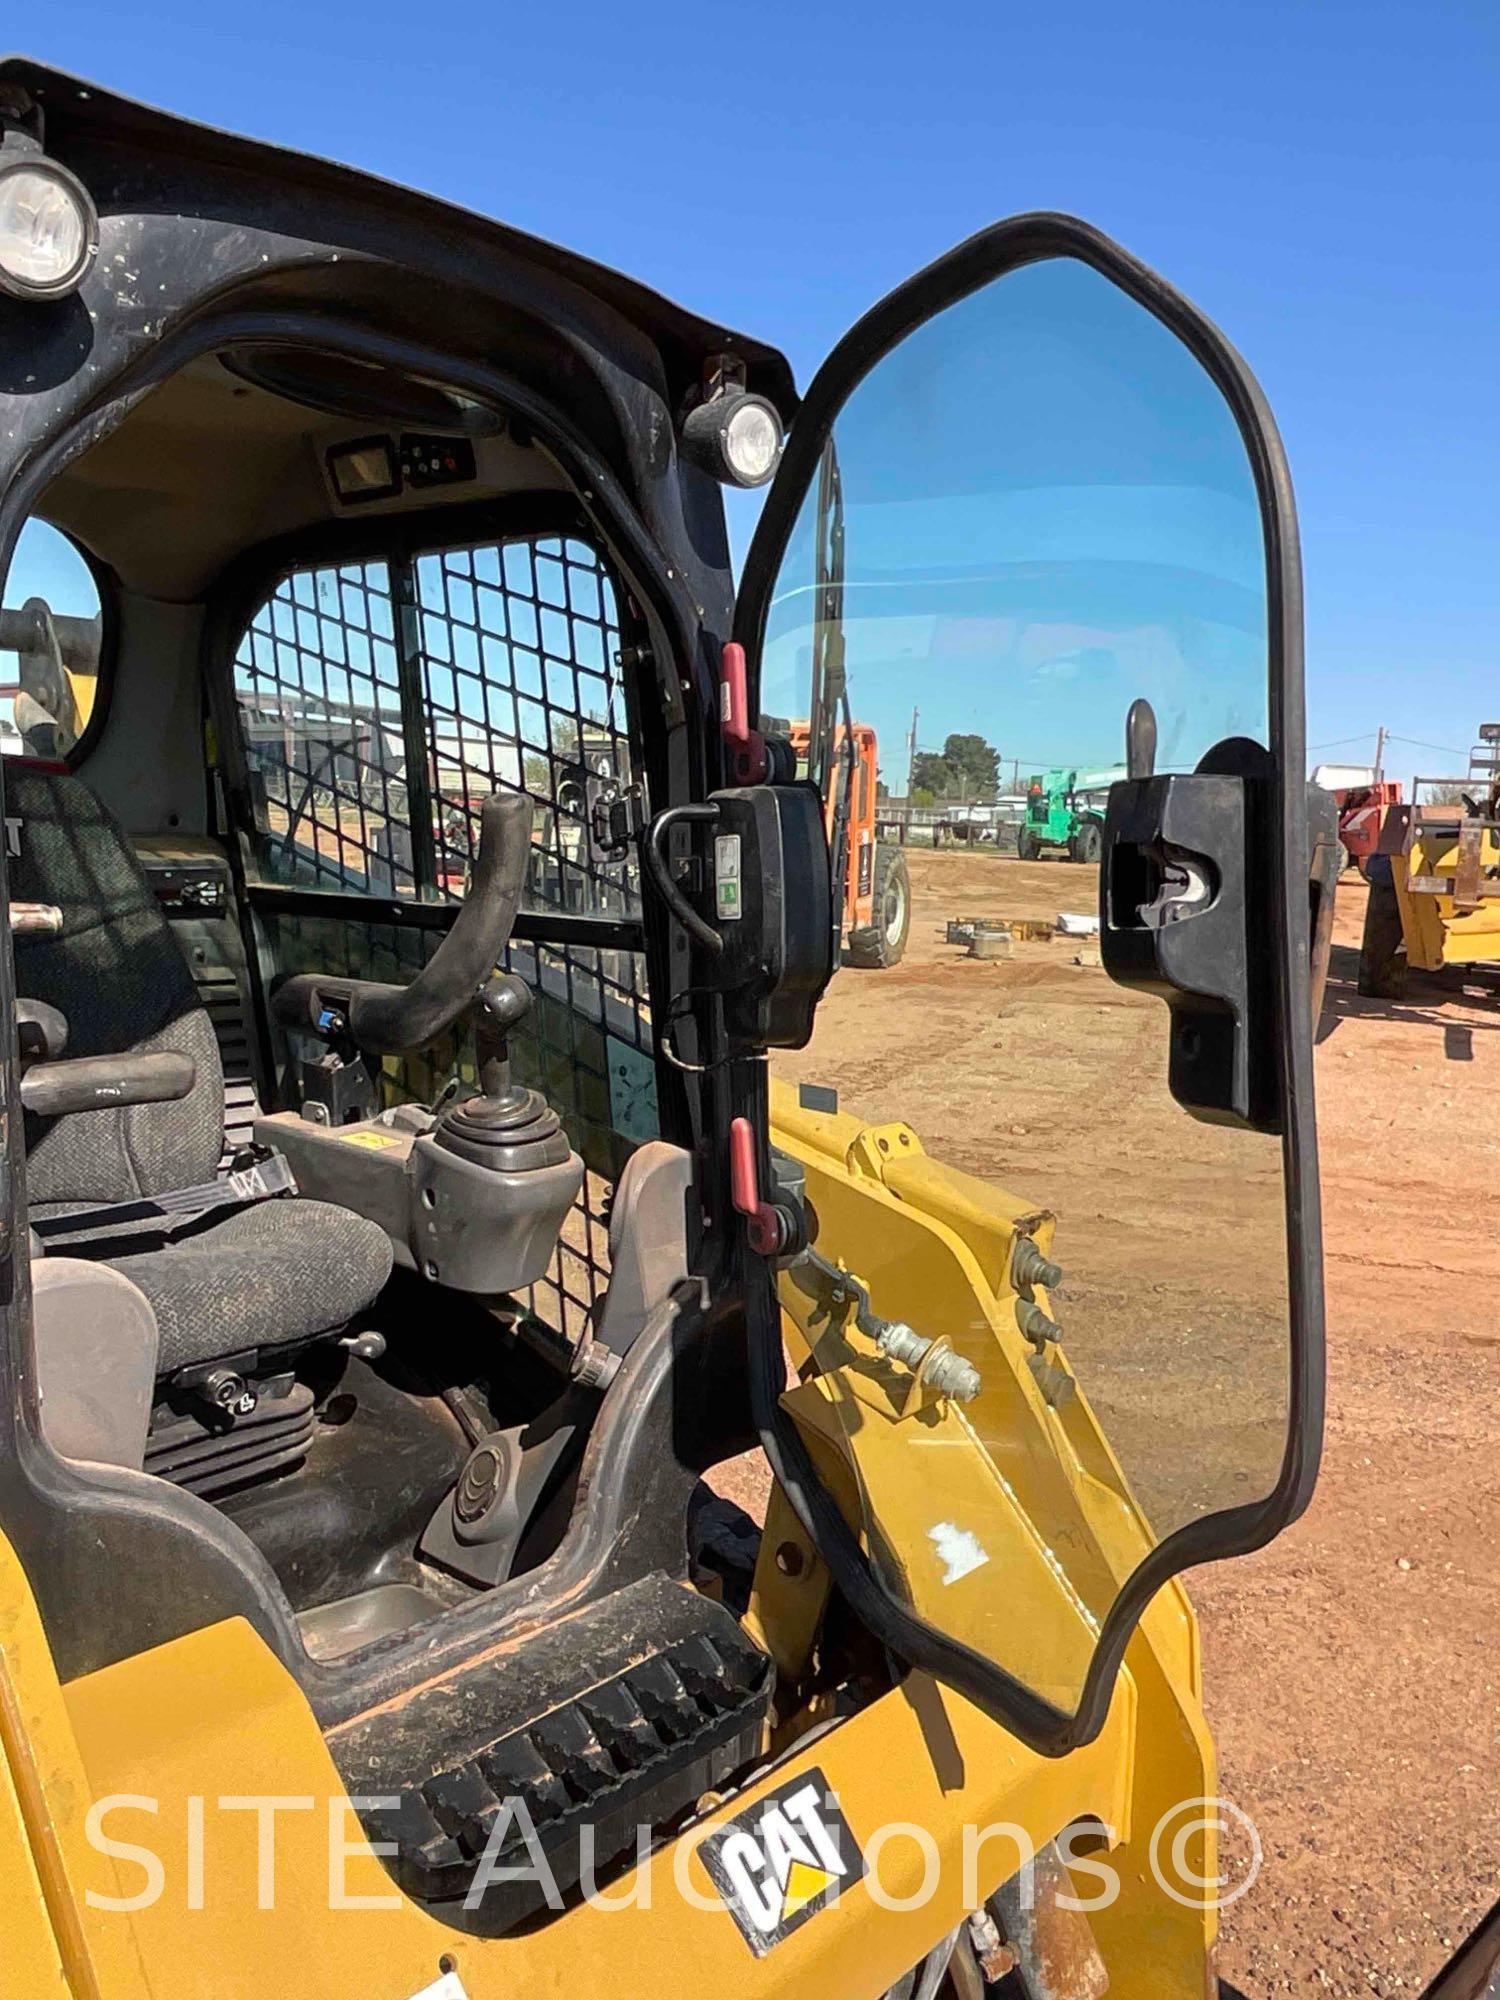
(736, 437)
(48, 228)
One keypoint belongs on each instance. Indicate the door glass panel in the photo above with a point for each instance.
(1034, 510)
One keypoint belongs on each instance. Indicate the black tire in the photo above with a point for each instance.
(1028, 847)
(883, 942)
(1087, 843)
(1382, 964)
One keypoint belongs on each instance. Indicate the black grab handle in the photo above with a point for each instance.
(394, 1020)
(659, 869)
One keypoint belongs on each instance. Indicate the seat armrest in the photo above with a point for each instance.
(104, 1083)
(41, 1031)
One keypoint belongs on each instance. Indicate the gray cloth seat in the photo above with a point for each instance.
(301, 1267)
(281, 1271)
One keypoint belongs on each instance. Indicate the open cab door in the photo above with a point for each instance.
(1036, 494)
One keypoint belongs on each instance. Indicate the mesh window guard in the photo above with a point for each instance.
(509, 652)
(318, 689)
(520, 689)
(506, 653)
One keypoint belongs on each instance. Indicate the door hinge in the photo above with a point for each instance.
(616, 816)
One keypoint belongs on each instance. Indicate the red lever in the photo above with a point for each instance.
(734, 699)
(747, 753)
(763, 1223)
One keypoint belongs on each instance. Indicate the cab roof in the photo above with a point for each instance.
(82, 119)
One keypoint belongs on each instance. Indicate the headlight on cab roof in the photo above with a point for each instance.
(49, 230)
(735, 436)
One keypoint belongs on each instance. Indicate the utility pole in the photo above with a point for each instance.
(911, 755)
(1380, 753)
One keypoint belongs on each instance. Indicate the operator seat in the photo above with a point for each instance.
(280, 1271)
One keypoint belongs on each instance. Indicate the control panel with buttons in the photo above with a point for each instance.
(436, 461)
(184, 892)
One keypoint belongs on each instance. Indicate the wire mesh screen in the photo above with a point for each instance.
(520, 690)
(511, 649)
(317, 682)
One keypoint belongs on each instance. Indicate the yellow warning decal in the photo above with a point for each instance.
(378, 1140)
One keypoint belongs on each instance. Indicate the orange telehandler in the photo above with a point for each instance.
(877, 888)
(841, 757)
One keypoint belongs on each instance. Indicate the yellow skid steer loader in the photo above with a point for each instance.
(528, 1411)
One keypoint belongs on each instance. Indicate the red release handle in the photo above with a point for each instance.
(744, 1189)
(734, 698)
(747, 753)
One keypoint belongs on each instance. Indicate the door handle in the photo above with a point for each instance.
(1180, 899)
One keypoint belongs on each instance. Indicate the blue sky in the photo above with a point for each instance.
(1324, 179)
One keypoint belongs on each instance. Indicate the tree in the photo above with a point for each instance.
(930, 773)
(978, 766)
(967, 768)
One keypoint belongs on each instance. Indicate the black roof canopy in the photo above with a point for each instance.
(131, 155)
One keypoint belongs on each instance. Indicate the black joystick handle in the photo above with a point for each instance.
(504, 1002)
(507, 1128)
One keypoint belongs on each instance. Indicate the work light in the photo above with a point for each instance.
(48, 228)
(735, 436)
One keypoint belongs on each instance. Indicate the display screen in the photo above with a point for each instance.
(365, 470)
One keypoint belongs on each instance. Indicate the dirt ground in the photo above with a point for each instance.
(1353, 1671)
(1353, 1668)
(1041, 1074)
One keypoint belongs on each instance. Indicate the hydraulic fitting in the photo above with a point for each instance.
(1029, 1267)
(946, 1373)
(1035, 1324)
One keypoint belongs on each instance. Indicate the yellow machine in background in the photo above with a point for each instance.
(1448, 892)
(1435, 877)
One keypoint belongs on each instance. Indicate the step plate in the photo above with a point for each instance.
(616, 1719)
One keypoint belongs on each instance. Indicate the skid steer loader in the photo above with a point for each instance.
(526, 1464)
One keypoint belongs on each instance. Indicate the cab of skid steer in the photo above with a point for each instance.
(437, 1144)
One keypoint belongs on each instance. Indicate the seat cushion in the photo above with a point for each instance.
(280, 1271)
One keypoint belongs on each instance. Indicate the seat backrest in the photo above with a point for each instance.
(116, 972)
